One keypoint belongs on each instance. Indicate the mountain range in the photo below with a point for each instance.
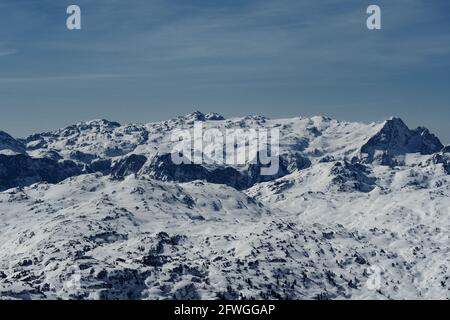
(98, 210)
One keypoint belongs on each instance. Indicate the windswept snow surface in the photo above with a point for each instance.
(357, 211)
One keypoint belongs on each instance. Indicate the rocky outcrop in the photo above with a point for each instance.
(21, 170)
(351, 177)
(9, 144)
(128, 165)
(162, 168)
(395, 139)
(442, 158)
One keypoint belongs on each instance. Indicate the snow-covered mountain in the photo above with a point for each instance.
(9, 145)
(99, 210)
(396, 139)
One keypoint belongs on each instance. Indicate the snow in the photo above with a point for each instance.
(324, 230)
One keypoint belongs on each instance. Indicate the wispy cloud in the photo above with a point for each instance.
(7, 52)
(75, 77)
(277, 57)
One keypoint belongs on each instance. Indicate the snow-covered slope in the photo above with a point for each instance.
(98, 210)
(87, 141)
(103, 139)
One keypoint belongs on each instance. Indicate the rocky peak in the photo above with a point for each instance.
(97, 124)
(212, 116)
(395, 138)
(195, 116)
(351, 176)
(9, 144)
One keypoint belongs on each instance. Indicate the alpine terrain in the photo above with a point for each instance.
(98, 210)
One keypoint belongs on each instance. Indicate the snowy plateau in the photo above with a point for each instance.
(98, 211)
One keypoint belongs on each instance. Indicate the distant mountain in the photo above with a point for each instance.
(110, 148)
(98, 210)
(395, 139)
(21, 170)
(9, 145)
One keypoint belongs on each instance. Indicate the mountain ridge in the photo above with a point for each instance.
(98, 210)
(100, 145)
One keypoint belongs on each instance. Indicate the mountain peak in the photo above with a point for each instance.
(99, 123)
(200, 116)
(213, 116)
(8, 143)
(395, 122)
(395, 118)
(195, 116)
(395, 138)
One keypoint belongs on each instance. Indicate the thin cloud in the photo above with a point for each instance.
(7, 52)
(68, 77)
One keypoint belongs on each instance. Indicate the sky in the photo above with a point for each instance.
(150, 60)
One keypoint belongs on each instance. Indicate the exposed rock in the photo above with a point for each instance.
(22, 170)
(395, 139)
(8, 143)
(129, 165)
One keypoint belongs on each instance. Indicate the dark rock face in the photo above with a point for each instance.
(162, 168)
(286, 164)
(441, 158)
(100, 165)
(9, 143)
(254, 171)
(352, 177)
(395, 139)
(52, 155)
(425, 142)
(128, 165)
(22, 170)
(295, 162)
(228, 176)
(214, 117)
(86, 158)
(194, 116)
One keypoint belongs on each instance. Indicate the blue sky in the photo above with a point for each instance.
(148, 60)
